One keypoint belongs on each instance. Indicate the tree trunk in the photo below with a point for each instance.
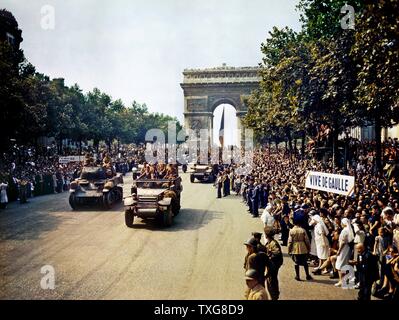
(378, 150)
(303, 144)
(335, 147)
(96, 144)
(60, 146)
(289, 137)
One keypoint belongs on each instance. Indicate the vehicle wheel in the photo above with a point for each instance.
(168, 217)
(120, 194)
(72, 201)
(107, 200)
(192, 178)
(129, 218)
(175, 207)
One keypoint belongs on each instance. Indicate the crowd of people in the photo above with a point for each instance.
(28, 171)
(329, 232)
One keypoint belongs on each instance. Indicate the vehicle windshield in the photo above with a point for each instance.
(93, 173)
(152, 184)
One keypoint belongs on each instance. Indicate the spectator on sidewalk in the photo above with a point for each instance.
(274, 252)
(322, 244)
(256, 259)
(298, 248)
(3, 195)
(344, 253)
(255, 291)
(367, 269)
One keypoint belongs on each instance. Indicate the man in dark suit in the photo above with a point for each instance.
(250, 191)
(367, 269)
(255, 200)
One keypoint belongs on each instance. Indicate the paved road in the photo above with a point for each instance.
(95, 256)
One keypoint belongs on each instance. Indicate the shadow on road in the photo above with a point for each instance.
(187, 219)
(29, 221)
(28, 227)
(118, 208)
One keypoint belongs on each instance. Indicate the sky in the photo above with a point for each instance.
(138, 49)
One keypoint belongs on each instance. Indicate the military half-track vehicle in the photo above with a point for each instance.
(153, 199)
(203, 173)
(94, 186)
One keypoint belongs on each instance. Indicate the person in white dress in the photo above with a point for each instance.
(313, 248)
(321, 241)
(344, 251)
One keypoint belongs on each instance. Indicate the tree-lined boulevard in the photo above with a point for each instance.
(95, 256)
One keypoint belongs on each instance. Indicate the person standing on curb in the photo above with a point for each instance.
(255, 291)
(273, 251)
(298, 248)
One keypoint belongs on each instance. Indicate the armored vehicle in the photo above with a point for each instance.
(153, 199)
(203, 173)
(96, 186)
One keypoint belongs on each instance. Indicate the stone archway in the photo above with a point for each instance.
(205, 89)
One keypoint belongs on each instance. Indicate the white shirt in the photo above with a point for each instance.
(267, 218)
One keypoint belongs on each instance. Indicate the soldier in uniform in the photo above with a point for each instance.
(258, 237)
(262, 199)
(299, 248)
(219, 185)
(256, 259)
(107, 160)
(89, 160)
(255, 200)
(23, 191)
(250, 191)
(255, 290)
(226, 184)
(273, 251)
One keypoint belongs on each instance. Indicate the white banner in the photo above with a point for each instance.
(328, 182)
(68, 159)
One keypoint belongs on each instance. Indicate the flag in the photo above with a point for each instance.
(221, 130)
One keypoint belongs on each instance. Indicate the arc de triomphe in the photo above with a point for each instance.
(206, 89)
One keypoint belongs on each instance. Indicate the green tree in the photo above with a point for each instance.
(376, 52)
